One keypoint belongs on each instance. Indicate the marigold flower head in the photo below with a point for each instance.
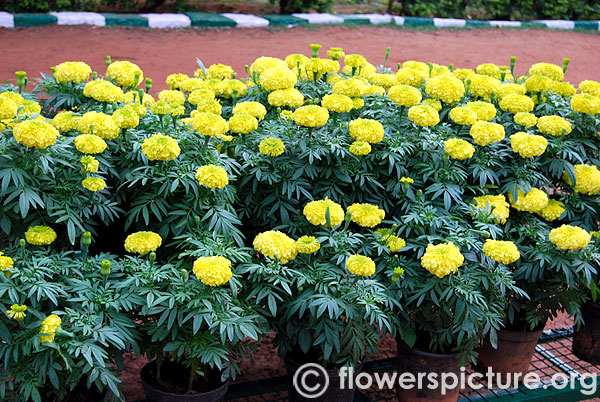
(28, 108)
(462, 73)
(587, 179)
(242, 123)
(172, 96)
(406, 180)
(585, 103)
(200, 95)
(390, 240)
(528, 145)
(458, 148)
(563, 89)
(255, 109)
(504, 252)
(507, 89)
(367, 130)
(49, 327)
(5, 262)
(355, 60)
(307, 245)
(534, 201)
(219, 72)
(411, 76)
(463, 115)
(442, 259)
(315, 212)
(127, 117)
(554, 125)
(311, 116)
(277, 78)
(192, 84)
(93, 184)
(290, 97)
(352, 87)
(552, 211)
(483, 86)
(163, 107)
(271, 146)
(485, 133)
(276, 245)
(405, 95)
(489, 69)
(174, 81)
(383, 80)
(423, 115)
(89, 144)
(360, 148)
(103, 91)
(64, 122)
(538, 83)
(89, 164)
(366, 215)
(8, 108)
(234, 86)
(293, 60)
(525, 119)
(337, 103)
(446, 88)
(209, 124)
(212, 176)
(35, 133)
(40, 235)
(374, 90)
(494, 205)
(515, 103)
(567, 237)
(161, 147)
(17, 312)
(71, 71)
(264, 63)
(143, 242)
(126, 73)
(336, 53)
(100, 124)
(417, 65)
(360, 265)
(551, 71)
(213, 271)
(590, 87)
(484, 110)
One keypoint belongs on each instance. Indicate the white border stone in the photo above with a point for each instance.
(398, 20)
(375, 19)
(558, 24)
(6, 20)
(247, 20)
(505, 24)
(79, 18)
(449, 23)
(323, 18)
(167, 20)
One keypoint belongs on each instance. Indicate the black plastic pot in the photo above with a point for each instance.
(586, 339)
(156, 395)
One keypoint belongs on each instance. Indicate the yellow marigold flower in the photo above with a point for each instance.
(293, 60)
(585, 103)
(200, 95)
(554, 125)
(360, 265)
(494, 205)
(567, 237)
(489, 69)
(355, 60)
(353, 87)
(142, 242)
(217, 86)
(212, 176)
(126, 117)
(390, 240)
(411, 76)
(290, 97)
(462, 73)
(366, 130)
(442, 259)
(49, 327)
(416, 65)
(551, 71)
(276, 245)
(446, 88)
(29, 107)
(125, 73)
(357, 103)
(337, 103)
(434, 103)
(590, 87)
(174, 81)
(315, 212)
(528, 145)
(100, 124)
(483, 86)
(172, 96)
(485, 133)
(336, 53)
(8, 108)
(285, 115)
(587, 179)
(231, 86)
(209, 124)
(552, 211)
(458, 149)
(563, 89)
(192, 84)
(406, 180)
(13, 96)
(515, 103)
(208, 106)
(93, 184)
(71, 71)
(463, 115)
(242, 123)
(264, 63)
(90, 164)
(366, 215)
(307, 245)
(103, 91)
(374, 90)
(504, 252)
(89, 144)
(538, 83)
(311, 116)
(383, 80)
(17, 312)
(485, 110)
(525, 119)
(219, 72)
(271, 146)
(423, 115)
(161, 147)
(40, 235)
(534, 201)
(405, 95)
(64, 122)
(506, 89)
(277, 78)
(163, 107)
(255, 109)
(5, 262)
(35, 133)
(360, 148)
(213, 271)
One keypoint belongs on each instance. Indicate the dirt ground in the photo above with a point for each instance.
(161, 52)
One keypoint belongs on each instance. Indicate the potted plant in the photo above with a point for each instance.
(586, 338)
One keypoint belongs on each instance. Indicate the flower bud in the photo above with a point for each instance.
(20, 77)
(184, 272)
(94, 75)
(197, 219)
(566, 62)
(419, 193)
(148, 86)
(105, 269)
(22, 242)
(136, 78)
(108, 61)
(86, 239)
(315, 49)
(398, 272)
(451, 67)
(152, 257)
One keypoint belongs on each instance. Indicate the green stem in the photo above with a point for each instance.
(192, 373)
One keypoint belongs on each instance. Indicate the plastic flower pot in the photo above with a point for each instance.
(586, 339)
(414, 362)
(513, 355)
(155, 394)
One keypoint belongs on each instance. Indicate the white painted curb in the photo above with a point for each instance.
(320, 18)
(6, 20)
(375, 19)
(79, 18)
(558, 24)
(167, 20)
(247, 20)
(504, 24)
(449, 23)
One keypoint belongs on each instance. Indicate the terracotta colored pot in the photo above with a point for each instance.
(415, 361)
(513, 355)
(156, 395)
(333, 393)
(586, 339)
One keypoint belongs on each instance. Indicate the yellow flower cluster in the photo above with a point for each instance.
(567, 237)
(242, 123)
(199, 95)
(71, 71)
(485, 110)
(508, 88)
(585, 103)
(337, 103)
(263, 63)
(93, 184)
(563, 89)
(8, 108)
(126, 73)
(90, 164)
(587, 179)
(276, 245)
(360, 148)
(310, 116)
(446, 88)
(355, 60)
(17, 312)
(315, 212)
(463, 116)
(528, 145)
(367, 130)
(277, 78)
(174, 81)
(405, 95)
(525, 119)
(29, 108)
(307, 244)
(143, 242)
(255, 109)
(590, 87)
(40, 235)
(534, 201)
(35, 133)
(209, 124)
(366, 215)
(161, 147)
(411, 76)
(551, 71)
(515, 103)
(483, 86)
(64, 122)
(5, 262)
(442, 259)
(164, 107)
(390, 240)
(538, 83)
(406, 180)
(100, 124)
(494, 205)
(212, 176)
(489, 69)
(385, 81)
(213, 271)
(353, 87)
(219, 72)
(208, 106)
(554, 125)
(89, 144)
(552, 211)
(289, 97)
(360, 265)
(485, 133)
(458, 149)
(505, 252)
(126, 117)
(423, 115)
(49, 327)
(271, 146)
(103, 91)
(172, 96)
